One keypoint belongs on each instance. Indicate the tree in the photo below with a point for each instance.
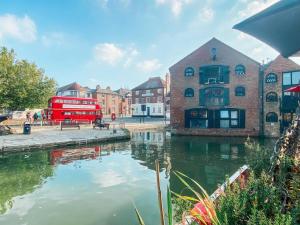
(23, 84)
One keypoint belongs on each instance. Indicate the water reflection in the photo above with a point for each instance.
(20, 174)
(205, 159)
(97, 184)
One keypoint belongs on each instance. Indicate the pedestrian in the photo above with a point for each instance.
(28, 117)
(35, 117)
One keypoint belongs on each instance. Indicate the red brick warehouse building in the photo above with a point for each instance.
(215, 91)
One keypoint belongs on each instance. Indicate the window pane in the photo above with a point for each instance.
(203, 113)
(224, 123)
(224, 114)
(197, 123)
(234, 114)
(286, 78)
(234, 122)
(271, 78)
(296, 77)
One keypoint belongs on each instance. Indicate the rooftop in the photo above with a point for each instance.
(151, 83)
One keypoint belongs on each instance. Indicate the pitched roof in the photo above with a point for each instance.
(213, 41)
(72, 86)
(151, 83)
(123, 91)
(104, 91)
(282, 64)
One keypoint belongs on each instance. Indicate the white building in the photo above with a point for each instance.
(148, 99)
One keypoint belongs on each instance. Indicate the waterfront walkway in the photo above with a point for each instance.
(55, 137)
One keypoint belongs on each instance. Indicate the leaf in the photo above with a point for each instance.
(140, 219)
(170, 209)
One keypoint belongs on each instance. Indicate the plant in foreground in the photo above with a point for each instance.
(203, 212)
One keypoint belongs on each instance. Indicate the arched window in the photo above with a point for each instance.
(272, 97)
(240, 70)
(272, 117)
(240, 91)
(271, 78)
(189, 72)
(189, 92)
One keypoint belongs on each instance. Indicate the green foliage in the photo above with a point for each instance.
(259, 201)
(180, 206)
(170, 208)
(259, 157)
(22, 84)
(208, 212)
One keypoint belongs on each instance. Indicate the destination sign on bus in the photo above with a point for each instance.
(69, 106)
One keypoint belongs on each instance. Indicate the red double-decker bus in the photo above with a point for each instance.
(70, 108)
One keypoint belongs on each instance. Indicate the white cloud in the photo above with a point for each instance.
(23, 29)
(53, 39)
(295, 59)
(149, 65)
(175, 5)
(108, 53)
(108, 178)
(207, 14)
(253, 7)
(131, 53)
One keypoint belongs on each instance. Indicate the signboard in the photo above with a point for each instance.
(69, 106)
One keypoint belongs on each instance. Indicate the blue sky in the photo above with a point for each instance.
(120, 43)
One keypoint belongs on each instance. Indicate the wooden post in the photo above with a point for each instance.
(162, 218)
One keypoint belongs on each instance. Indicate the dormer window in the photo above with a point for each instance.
(271, 78)
(240, 70)
(189, 72)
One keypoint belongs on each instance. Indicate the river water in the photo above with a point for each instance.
(100, 184)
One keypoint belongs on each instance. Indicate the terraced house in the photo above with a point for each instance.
(215, 91)
(148, 98)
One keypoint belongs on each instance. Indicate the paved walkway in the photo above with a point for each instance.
(55, 137)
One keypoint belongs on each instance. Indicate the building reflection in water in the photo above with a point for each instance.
(207, 160)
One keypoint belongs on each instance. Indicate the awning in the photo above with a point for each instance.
(277, 26)
(293, 89)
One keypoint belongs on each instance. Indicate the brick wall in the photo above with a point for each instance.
(225, 56)
(277, 66)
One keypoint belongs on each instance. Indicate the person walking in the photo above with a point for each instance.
(35, 117)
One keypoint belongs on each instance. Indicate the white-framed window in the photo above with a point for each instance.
(148, 91)
(153, 110)
(136, 100)
(159, 99)
(73, 93)
(148, 100)
(159, 91)
(137, 92)
(159, 109)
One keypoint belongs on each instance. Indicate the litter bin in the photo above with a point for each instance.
(26, 128)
